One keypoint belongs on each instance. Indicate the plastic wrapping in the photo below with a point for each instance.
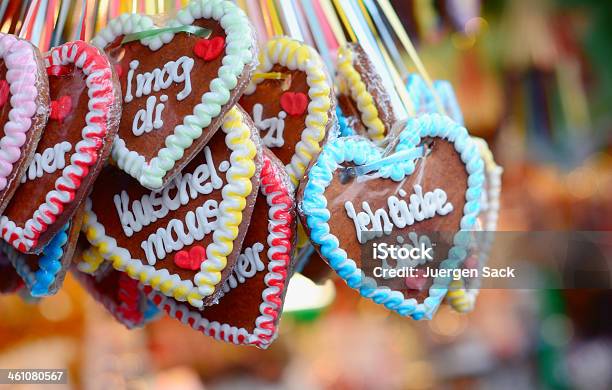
(345, 214)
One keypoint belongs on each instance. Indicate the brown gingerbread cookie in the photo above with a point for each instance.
(182, 240)
(24, 108)
(252, 297)
(178, 82)
(362, 95)
(291, 101)
(423, 197)
(85, 110)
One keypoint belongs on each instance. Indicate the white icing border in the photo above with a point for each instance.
(239, 52)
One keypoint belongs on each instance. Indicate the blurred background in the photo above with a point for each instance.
(533, 77)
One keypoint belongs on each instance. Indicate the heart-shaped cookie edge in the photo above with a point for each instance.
(462, 298)
(235, 192)
(29, 86)
(350, 82)
(88, 152)
(281, 231)
(314, 212)
(296, 55)
(240, 53)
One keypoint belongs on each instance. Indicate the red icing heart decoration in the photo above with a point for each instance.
(418, 281)
(4, 92)
(191, 260)
(60, 108)
(209, 49)
(294, 103)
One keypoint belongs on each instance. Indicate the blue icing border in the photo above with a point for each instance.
(360, 151)
(150, 312)
(425, 103)
(49, 263)
(345, 129)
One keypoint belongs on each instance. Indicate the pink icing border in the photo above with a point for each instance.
(22, 70)
(281, 234)
(97, 69)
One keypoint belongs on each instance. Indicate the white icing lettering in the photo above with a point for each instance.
(173, 237)
(247, 265)
(156, 205)
(150, 117)
(274, 126)
(48, 161)
(400, 214)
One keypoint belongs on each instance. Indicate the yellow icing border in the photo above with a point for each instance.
(296, 55)
(235, 192)
(91, 260)
(349, 78)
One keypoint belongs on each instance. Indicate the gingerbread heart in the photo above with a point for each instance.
(291, 102)
(44, 274)
(121, 295)
(362, 95)
(252, 302)
(24, 108)
(75, 144)
(177, 86)
(420, 189)
(209, 205)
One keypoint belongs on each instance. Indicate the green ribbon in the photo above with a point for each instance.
(195, 30)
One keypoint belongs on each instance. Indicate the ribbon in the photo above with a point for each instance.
(195, 30)
(404, 155)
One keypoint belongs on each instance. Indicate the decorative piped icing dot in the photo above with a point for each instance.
(224, 166)
(402, 193)
(4, 92)
(294, 103)
(192, 259)
(209, 49)
(61, 108)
